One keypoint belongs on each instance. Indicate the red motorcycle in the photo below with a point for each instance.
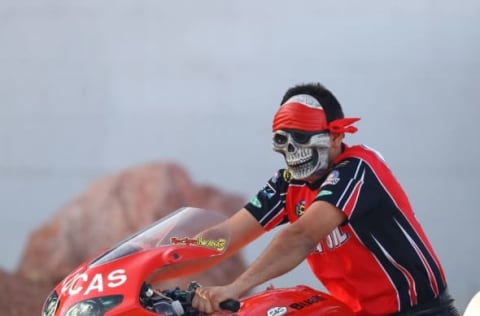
(122, 280)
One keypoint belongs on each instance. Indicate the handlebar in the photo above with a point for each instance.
(230, 305)
(179, 301)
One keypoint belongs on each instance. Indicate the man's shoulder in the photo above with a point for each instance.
(361, 151)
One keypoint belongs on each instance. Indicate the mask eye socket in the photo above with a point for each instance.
(280, 139)
(301, 137)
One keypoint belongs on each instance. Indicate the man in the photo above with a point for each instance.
(348, 216)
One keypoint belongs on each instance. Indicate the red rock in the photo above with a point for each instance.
(109, 210)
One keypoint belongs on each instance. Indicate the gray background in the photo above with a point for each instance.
(88, 88)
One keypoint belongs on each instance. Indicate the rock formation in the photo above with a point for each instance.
(109, 210)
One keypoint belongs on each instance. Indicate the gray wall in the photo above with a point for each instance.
(88, 88)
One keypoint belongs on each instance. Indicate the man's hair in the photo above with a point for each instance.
(331, 106)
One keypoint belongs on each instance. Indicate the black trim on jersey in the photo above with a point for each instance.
(350, 173)
(383, 228)
(272, 200)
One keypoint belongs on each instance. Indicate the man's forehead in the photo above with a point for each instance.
(305, 99)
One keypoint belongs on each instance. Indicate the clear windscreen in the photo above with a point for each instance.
(187, 226)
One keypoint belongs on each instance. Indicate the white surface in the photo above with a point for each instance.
(473, 307)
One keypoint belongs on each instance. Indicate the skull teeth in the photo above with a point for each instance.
(300, 157)
(297, 163)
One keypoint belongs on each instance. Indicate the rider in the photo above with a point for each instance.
(348, 215)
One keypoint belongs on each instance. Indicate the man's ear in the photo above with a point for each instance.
(336, 139)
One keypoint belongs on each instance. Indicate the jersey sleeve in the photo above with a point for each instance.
(268, 205)
(352, 187)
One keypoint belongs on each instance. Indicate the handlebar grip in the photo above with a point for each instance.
(230, 305)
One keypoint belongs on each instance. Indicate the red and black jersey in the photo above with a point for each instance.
(380, 261)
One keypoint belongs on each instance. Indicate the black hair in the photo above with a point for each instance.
(331, 106)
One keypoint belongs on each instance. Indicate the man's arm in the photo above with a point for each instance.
(244, 228)
(286, 251)
(292, 245)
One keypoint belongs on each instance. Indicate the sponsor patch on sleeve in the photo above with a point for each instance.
(332, 179)
(275, 177)
(269, 191)
(324, 193)
(256, 202)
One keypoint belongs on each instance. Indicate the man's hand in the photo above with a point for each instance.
(208, 299)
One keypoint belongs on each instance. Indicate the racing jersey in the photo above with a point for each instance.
(380, 261)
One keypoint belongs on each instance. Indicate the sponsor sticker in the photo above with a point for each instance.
(83, 283)
(342, 164)
(218, 244)
(300, 208)
(324, 193)
(305, 303)
(287, 176)
(275, 177)
(256, 202)
(332, 179)
(277, 311)
(269, 191)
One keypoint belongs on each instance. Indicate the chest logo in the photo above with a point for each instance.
(300, 208)
(333, 240)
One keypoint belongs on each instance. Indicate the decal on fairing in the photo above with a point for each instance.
(277, 311)
(309, 301)
(95, 283)
(218, 244)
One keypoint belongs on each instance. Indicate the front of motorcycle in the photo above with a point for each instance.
(126, 279)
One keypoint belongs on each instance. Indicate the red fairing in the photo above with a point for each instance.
(125, 279)
(298, 300)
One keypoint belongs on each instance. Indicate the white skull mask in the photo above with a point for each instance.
(305, 153)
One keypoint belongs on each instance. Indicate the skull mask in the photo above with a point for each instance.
(306, 153)
(301, 134)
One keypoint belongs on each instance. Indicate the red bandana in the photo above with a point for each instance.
(299, 116)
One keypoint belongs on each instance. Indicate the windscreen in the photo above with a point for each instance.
(186, 226)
